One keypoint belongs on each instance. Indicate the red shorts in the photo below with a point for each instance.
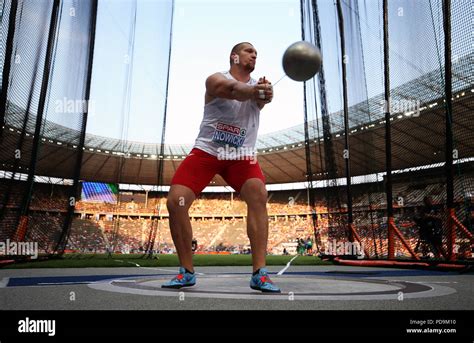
(199, 168)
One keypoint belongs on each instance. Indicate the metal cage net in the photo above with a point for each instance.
(49, 65)
(320, 103)
(52, 92)
(135, 70)
(362, 41)
(325, 108)
(419, 133)
(463, 128)
(417, 107)
(27, 61)
(416, 77)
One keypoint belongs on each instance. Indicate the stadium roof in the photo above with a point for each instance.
(281, 154)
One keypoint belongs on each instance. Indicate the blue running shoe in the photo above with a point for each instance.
(262, 282)
(183, 279)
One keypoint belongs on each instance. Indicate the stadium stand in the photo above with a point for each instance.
(218, 219)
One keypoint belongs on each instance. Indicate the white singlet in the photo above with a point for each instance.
(229, 124)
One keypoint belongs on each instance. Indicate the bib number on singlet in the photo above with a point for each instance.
(229, 134)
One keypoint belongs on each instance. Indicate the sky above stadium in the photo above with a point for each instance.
(132, 38)
(202, 37)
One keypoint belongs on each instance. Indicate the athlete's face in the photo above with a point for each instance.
(247, 57)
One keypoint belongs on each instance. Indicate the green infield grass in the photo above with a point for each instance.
(135, 260)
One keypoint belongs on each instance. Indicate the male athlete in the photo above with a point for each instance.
(225, 146)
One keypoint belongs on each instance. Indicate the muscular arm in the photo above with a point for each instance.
(217, 86)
